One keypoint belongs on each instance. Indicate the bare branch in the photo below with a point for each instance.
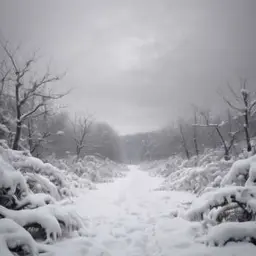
(26, 115)
(206, 125)
(236, 96)
(36, 85)
(10, 56)
(241, 110)
(3, 80)
(217, 127)
(53, 96)
(253, 104)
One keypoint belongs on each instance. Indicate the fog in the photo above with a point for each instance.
(138, 65)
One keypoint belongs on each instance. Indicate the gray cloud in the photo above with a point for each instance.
(139, 64)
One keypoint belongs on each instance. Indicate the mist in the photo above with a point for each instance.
(138, 65)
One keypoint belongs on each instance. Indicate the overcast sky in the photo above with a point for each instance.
(138, 64)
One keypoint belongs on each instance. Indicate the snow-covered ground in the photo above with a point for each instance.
(129, 218)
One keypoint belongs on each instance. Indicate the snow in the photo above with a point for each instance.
(244, 91)
(220, 197)
(4, 128)
(60, 133)
(38, 215)
(130, 215)
(240, 170)
(49, 217)
(10, 178)
(36, 200)
(222, 123)
(39, 166)
(195, 175)
(231, 232)
(12, 235)
(129, 218)
(38, 183)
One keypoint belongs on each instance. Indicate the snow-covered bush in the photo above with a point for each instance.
(29, 207)
(196, 179)
(14, 238)
(40, 176)
(226, 193)
(214, 204)
(232, 232)
(195, 174)
(243, 172)
(90, 169)
(229, 212)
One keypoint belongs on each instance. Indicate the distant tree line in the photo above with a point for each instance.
(31, 119)
(232, 131)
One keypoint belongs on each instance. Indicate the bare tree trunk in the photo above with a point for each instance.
(15, 145)
(195, 136)
(78, 151)
(246, 118)
(246, 131)
(184, 142)
(246, 110)
(226, 149)
(30, 141)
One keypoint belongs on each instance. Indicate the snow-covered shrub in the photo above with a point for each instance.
(229, 212)
(36, 171)
(154, 167)
(212, 205)
(196, 179)
(39, 183)
(242, 172)
(91, 169)
(195, 174)
(232, 232)
(13, 237)
(29, 213)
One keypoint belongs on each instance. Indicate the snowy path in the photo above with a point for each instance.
(128, 218)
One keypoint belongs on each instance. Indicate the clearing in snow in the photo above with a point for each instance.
(129, 218)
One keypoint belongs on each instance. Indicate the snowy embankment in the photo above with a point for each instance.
(225, 205)
(128, 216)
(35, 200)
(194, 175)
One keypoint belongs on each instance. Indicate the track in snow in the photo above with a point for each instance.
(129, 218)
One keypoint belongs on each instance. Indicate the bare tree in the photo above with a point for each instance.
(6, 109)
(26, 87)
(195, 133)
(183, 140)
(37, 130)
(81, 130)
(245, 106)
(227, 145)
(4, 73)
